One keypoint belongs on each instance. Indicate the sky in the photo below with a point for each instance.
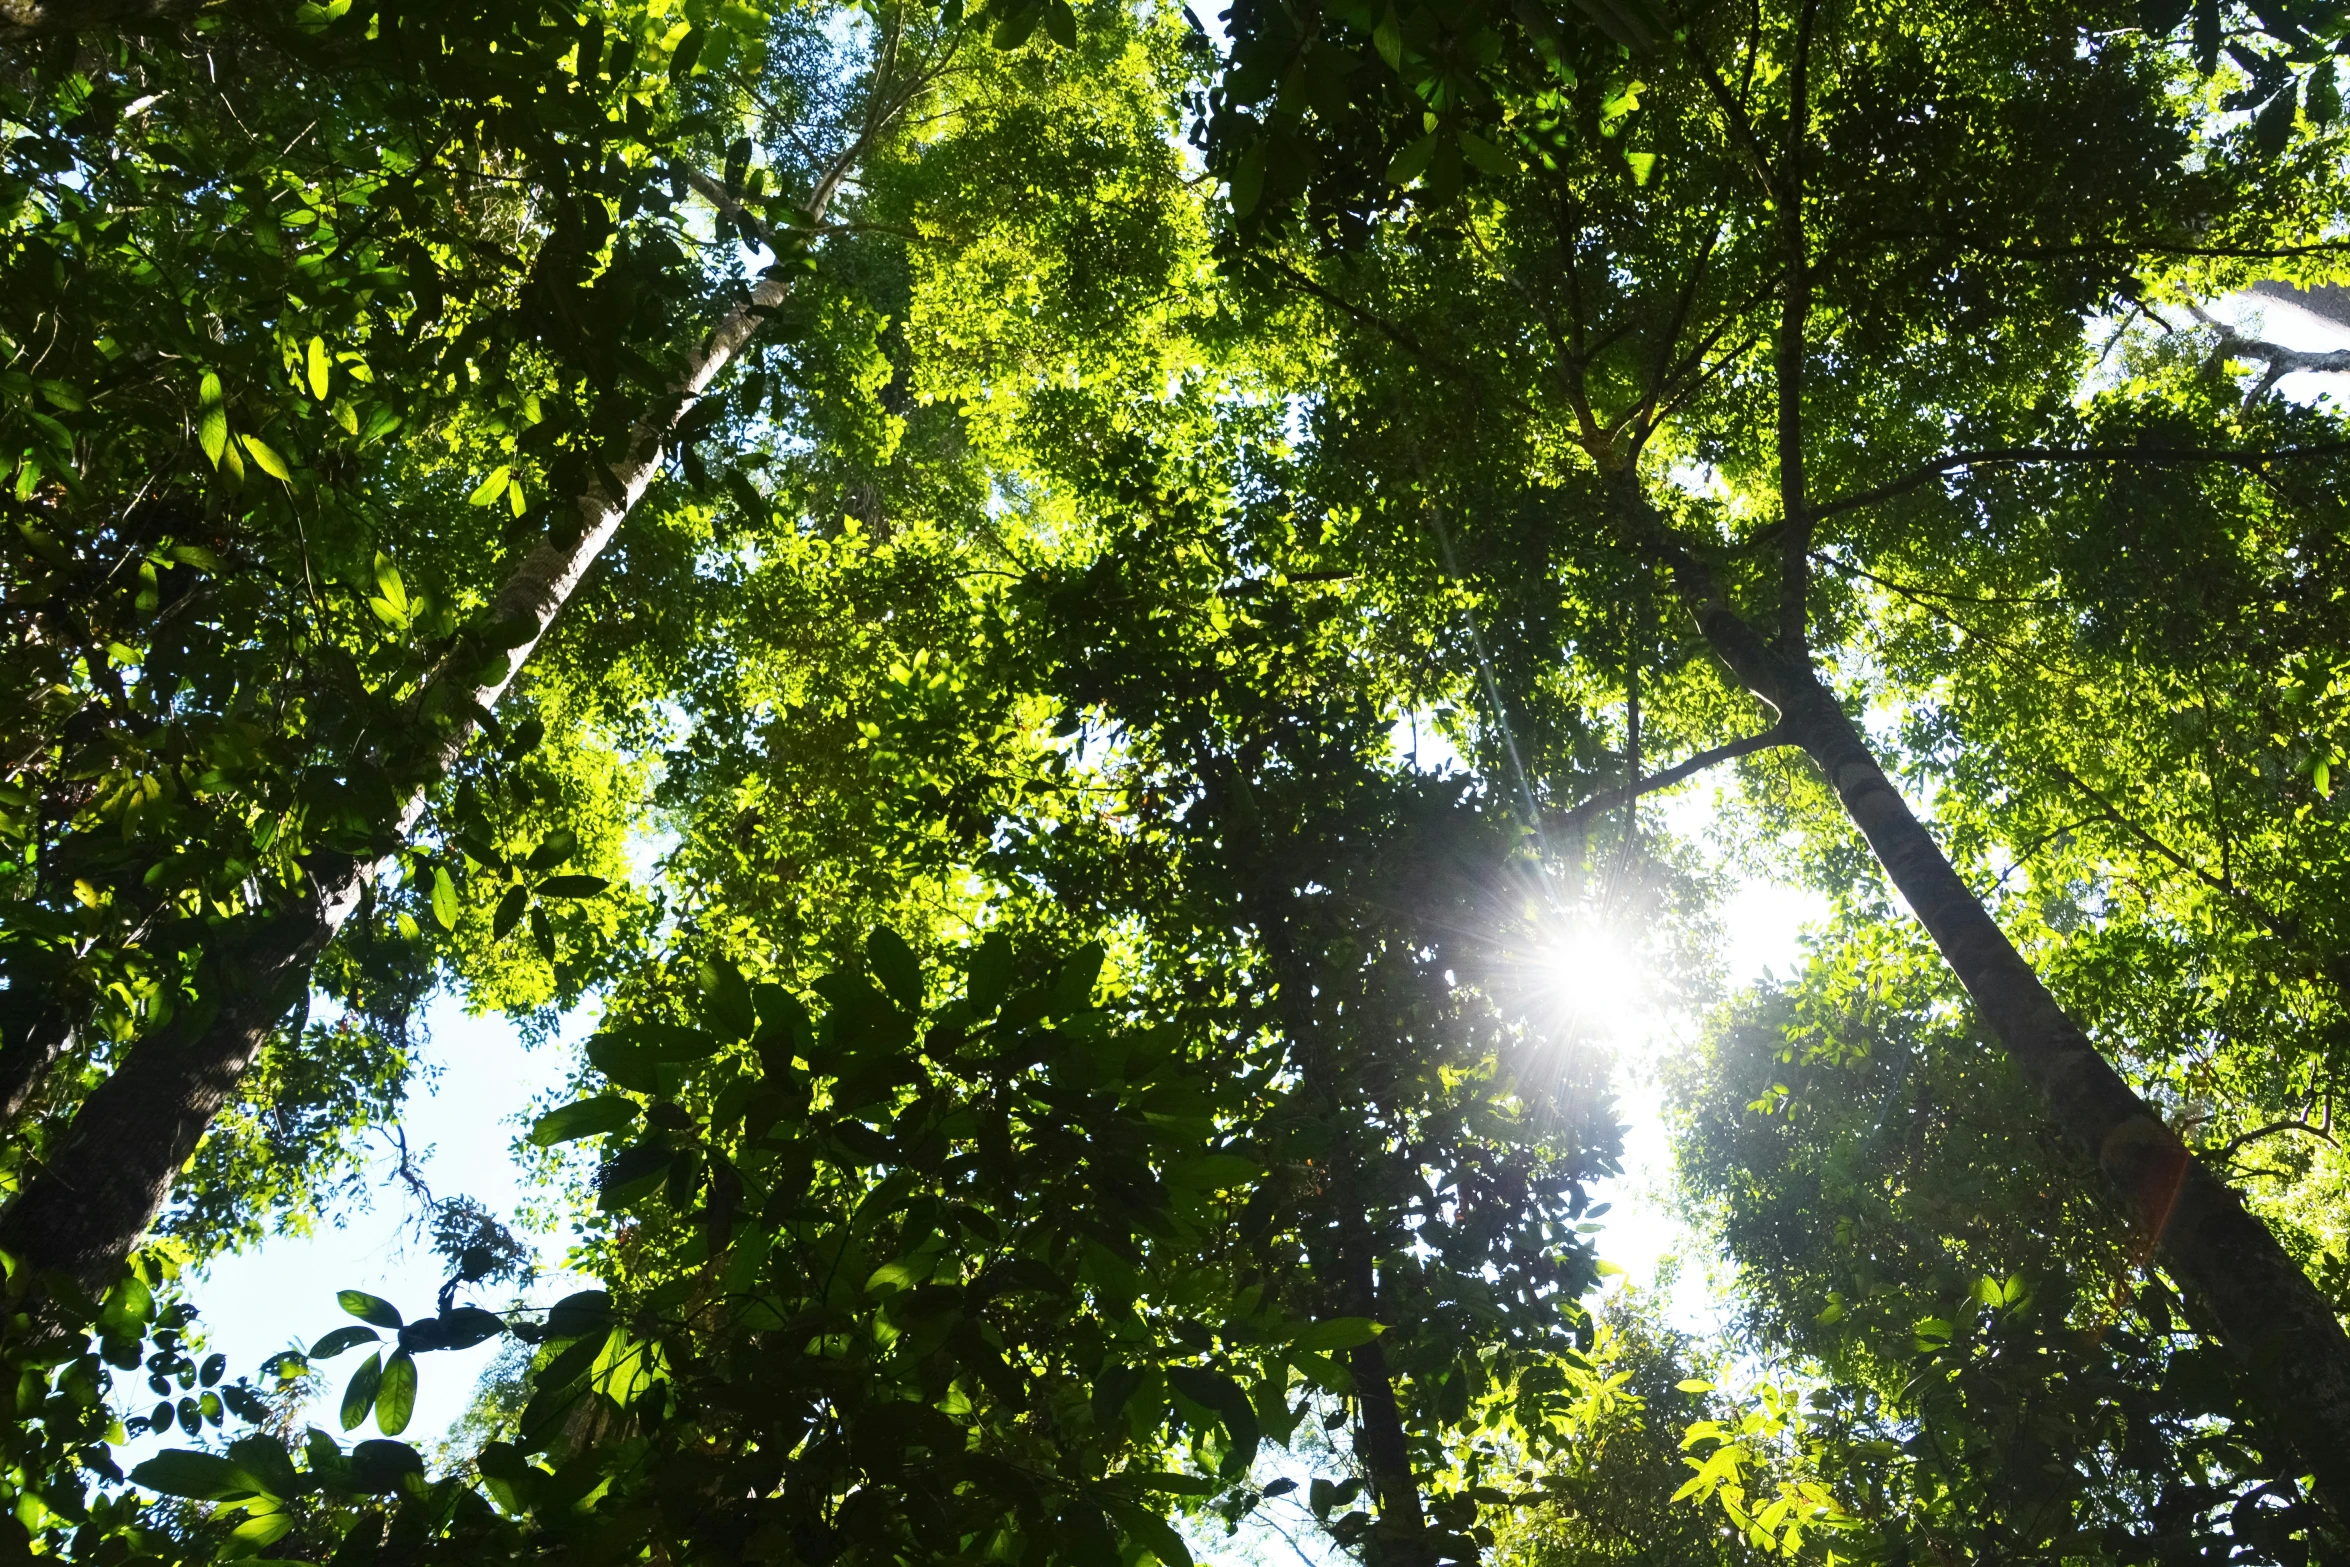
(461, 1131)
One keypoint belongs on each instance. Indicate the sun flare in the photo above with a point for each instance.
(1596, 980)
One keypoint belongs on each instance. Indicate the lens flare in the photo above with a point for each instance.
(1595, 980)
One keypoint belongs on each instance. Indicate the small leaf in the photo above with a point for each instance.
(388, 583)
(318, 368)
(487, 492)
(359, 1392)
(267, 459)
(369, 1308)
(444, 898)
(572, 886)
(895, 966)
(510, 911)
(339, 1340)
(1413, 161)
(1338, 1333)
(554, 849)
(584, 1118)
(212, 419)
(1060, 23)
(395, 1398)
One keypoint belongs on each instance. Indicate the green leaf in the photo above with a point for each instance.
(1060, 23)
(263, 1459)
(632, 1054)
(490, 489)
(1387, 38)
(689, 49)
(341, 1339)
(1146, 1528)
(212, 419)
(359, 1392)
(129, 1306)
(1073, 986)
(510, 911)
(726, 1002)
(258, 1533)
(395, 1398)
(1338, 1333)
(1018, 23)
(991, 972)
(202, 1476)
(318, 368)
(1215, 1172)
(1113, 1385)
(369, 1308)
(556, 847)
(2272, 127)
(388, 583)
(572, 886)
(894, 965)
(267, 459)
(576, 1316)
(584, 1118)
(444, 898)
(1413, 161)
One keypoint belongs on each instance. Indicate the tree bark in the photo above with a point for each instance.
(24, 19)
(96, 1195)
(25, 1060)
(2281, 1331)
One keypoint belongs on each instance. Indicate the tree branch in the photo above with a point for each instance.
(1574, 820)
(2280, 360)
(2003, 456)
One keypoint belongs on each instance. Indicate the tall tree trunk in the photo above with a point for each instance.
(2282, 1332)
(101, 1189)
(1386, 1450)
(26, 1055)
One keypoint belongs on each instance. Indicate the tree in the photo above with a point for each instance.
(1706, 300)
(1995, 1381)
(592, 420)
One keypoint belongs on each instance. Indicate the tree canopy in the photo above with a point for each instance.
(894, 561)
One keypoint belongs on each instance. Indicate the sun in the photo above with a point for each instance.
(1597, 982)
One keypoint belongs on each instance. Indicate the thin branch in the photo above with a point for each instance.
(1608, 799)
(2273, 923)
(2153, 456)
(2269, 1130)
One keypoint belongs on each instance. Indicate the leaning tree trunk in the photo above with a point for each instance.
(2283, 1334)
(112, 1173)
(25, 1060)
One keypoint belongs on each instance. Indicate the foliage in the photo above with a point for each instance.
(1994, 1380)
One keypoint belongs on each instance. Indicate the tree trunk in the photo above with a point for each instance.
(103, 1186)
(23, 19)
(2282, 1332)
(1386, 1452)
(25, 1060)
